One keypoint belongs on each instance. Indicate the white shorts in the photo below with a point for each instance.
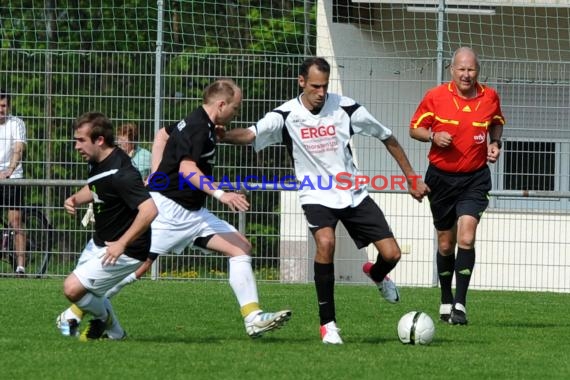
(98, 278)
(176, 227)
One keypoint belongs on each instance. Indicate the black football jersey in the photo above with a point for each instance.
(118, 190)
(194, 138)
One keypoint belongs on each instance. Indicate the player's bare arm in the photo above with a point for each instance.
(158, 145)
(147, 213)
(239, 136)
(235, 201)
(416, 186)
(82, 197)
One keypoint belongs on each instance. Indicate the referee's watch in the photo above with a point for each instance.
(498, 142)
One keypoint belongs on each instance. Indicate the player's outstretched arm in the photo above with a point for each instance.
(191, 171)
(416, 186)
(239, 136)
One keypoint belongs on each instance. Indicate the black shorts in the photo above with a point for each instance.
(365, 223)
(11, 197)
(455, 194)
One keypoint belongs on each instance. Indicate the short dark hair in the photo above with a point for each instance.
(321, 63)
(5, 95)
(100, 126)
(221, 86)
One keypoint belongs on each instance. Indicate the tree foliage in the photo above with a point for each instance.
(62, 58)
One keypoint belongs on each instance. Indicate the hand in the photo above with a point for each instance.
(5, 173)
(493, 153)
(69, 205)
(112, 253)
(442, 139)
(220, 133)
(418, 189)
(235, 201)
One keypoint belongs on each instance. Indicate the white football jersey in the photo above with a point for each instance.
(319, 145)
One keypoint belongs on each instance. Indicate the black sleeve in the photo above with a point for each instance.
(169, 128)
(190, 143)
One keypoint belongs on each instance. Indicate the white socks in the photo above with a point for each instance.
(94, 305)
(242, 280)
(125, 281)
(116, 330)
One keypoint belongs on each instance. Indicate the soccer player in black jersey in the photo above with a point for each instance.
(123, 211)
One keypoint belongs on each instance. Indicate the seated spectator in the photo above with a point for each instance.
(127, 140)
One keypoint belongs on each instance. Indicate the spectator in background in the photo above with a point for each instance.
(12, 146)
(463, 123)
(127, 140)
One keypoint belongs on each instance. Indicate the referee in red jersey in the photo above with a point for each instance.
(463, 122)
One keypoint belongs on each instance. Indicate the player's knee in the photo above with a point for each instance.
(72, 289)
(392, 255)
(397, 256)
(244, 246)
(466, 239)
(240, 249)
(325, 244)
(446, 247)
(466, 243)
(71, 293)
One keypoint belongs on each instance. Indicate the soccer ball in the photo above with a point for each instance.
(416, 327)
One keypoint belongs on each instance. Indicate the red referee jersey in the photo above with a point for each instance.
(466, 120)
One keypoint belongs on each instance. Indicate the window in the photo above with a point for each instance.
(536, 146)
(532, 166)
(529, 165)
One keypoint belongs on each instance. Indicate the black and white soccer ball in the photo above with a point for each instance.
(416, 327)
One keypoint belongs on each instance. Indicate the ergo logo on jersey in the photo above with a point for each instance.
(321, 131)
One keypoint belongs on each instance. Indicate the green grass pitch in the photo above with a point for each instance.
(193, 330)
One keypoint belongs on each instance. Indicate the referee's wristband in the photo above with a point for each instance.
(218, 194)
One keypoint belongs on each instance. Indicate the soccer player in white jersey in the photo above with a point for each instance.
(317, 127)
